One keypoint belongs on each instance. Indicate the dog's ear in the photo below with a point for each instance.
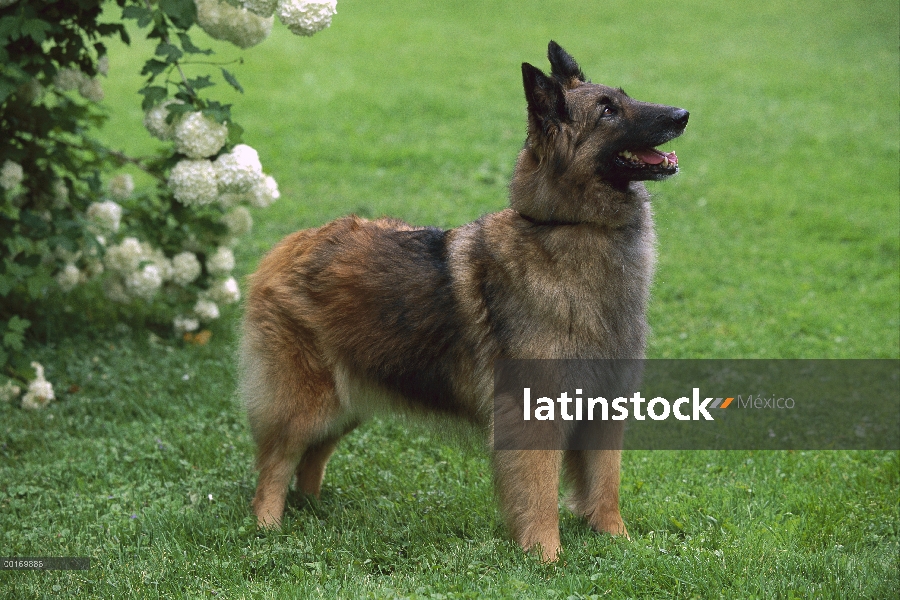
(546, 99)
(564, 66)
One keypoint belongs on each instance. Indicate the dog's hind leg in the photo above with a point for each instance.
(528, 489)
(293, 410)
(594, 476)
(276, 463)
(311, 469)
(294, 445)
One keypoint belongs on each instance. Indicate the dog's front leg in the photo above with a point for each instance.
(528, 489)
(595, 476)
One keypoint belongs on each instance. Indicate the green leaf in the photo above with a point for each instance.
(235, 133)
(171, 52)
(180, 109)
(9, 211)
(177, 109)
(232, 81)
(37, 283)
(9, 28)
(36, 28)
(142, 15)
(154, 67)
(198, 83)
(134, 12)
(182, 12)
(189, 46)
(17, 324)
(153, 95)
(7, 87)
(110, 29)
(221, 113)
(6, 284)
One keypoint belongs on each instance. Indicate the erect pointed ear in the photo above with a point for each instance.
(546, 98)
(564, 66)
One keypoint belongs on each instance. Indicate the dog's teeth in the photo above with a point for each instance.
(626, 154)
(665, 161)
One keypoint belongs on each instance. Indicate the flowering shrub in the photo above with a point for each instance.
(69, 221)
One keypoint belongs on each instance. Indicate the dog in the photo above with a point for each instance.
(358, 315)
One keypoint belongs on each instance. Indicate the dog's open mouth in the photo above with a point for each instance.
(653, 159)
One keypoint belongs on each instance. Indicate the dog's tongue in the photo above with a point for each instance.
(654, 157)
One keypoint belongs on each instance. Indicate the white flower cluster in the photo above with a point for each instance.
(104, 216)
(144, 282)
(155, 120)
(224, 290)
(137, 270)
(70, 277)
(239, 221)
(184, 324)
(38, 395)
(205, 175)
(239, 170)
(221, 262)
(11, 175)
(68, 79)
(124, 257)
(263, 8)
(195, 134)
(121, 186)
(198, 136)
(239, 26)
(185, 268)
(90, 89)
(264, 193)
(233, 177)
(73, 79)
(40, 391)
(194, 182)
(306, 17)
(206, 310)
(302, 17)
(60, 194)
(9, 391)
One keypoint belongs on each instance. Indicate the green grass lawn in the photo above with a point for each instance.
(780, 238)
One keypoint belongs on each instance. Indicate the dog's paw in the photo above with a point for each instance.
(546, 554)
(610, 523)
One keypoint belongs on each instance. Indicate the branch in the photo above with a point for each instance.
(166, 39)
(123, 158)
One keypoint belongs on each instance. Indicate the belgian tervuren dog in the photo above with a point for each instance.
(355, 315)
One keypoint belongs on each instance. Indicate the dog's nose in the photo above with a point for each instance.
(680, 116)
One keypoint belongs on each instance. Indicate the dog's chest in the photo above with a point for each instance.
(560, 293)
(591, 303)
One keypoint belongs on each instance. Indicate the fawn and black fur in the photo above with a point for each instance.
(355, 315)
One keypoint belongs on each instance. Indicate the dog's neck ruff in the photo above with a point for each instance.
(550, 222)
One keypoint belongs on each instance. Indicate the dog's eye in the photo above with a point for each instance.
(606, 106)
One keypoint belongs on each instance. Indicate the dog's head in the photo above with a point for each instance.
(575, 123)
